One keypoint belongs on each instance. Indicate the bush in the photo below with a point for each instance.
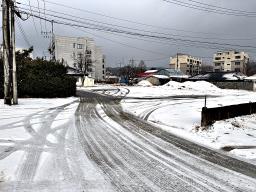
(44, 79)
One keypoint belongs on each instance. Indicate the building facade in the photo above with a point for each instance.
(188, 64)
(81, 53)
(230, 61)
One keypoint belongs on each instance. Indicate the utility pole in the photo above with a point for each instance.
(6, 51)
(177, 67)
(14, 66)
(53, 44)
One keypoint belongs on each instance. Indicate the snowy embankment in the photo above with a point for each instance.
(25, 126)
(176, 107)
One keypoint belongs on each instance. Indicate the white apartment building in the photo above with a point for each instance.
(230, 61)
(188, 64)
(74, 50)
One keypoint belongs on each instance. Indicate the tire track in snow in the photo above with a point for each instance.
(228, 180)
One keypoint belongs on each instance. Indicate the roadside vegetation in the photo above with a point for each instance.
(38, 78)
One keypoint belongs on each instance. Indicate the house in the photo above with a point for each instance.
(219, 76)
(228, 80)
(173, 74)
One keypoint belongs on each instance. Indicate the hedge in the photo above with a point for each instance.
(42, 79)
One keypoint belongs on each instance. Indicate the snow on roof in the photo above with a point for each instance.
(234, 76)
(144, 83)
(253, 77)
(161, 76)
(151, 71)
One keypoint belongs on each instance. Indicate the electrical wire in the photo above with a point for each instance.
(23, 32)
(38, 5)
(45, 16)
(33, 17)
(126, 20)
(210, 10)
(77, 23)
(95, 21)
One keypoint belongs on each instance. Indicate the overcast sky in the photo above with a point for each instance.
(206, 26)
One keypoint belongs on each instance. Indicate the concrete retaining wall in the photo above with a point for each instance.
(210, 115)
(244, 85)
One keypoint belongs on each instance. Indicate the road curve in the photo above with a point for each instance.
(135, 156)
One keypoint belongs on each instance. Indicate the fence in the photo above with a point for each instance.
(210, 115)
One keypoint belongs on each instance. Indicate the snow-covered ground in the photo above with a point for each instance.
(20, 124)
(176, 107)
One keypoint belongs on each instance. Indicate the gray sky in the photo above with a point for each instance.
(205, 26)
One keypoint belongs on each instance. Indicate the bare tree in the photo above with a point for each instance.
(83, 62)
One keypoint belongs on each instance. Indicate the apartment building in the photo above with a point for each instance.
(76, 50)
(188, 64)
(230, 61)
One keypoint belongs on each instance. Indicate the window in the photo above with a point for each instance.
(90, 70)
(217, 64)
(103, 72)
(74, 45)
(238, 57)
(103, 66)
(237, 69)
(80, 46)
(79, 55)
(237, 63)
(217, 58)
(228, 64)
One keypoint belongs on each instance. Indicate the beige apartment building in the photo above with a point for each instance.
(230, 61)
(188, 64)
(72, 50)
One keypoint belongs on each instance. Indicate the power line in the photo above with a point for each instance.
(23, 32)
(141, 38)
(38, 5)
(209, 9)
(128, 21)
(183, 44)
(95, 21)
(224, 8)
(45, 16)
(33, 17)
(76, 23)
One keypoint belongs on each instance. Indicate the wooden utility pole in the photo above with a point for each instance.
(6, 51)
(52, 42)
(14, 66)
(9, 57)
(177, 67)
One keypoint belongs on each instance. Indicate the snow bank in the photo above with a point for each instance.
(144, 83)
(182, 116)
(188, 85)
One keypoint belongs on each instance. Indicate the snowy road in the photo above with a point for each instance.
(133, 159)
(103, 149)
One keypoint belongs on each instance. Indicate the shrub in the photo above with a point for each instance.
(44, 79)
